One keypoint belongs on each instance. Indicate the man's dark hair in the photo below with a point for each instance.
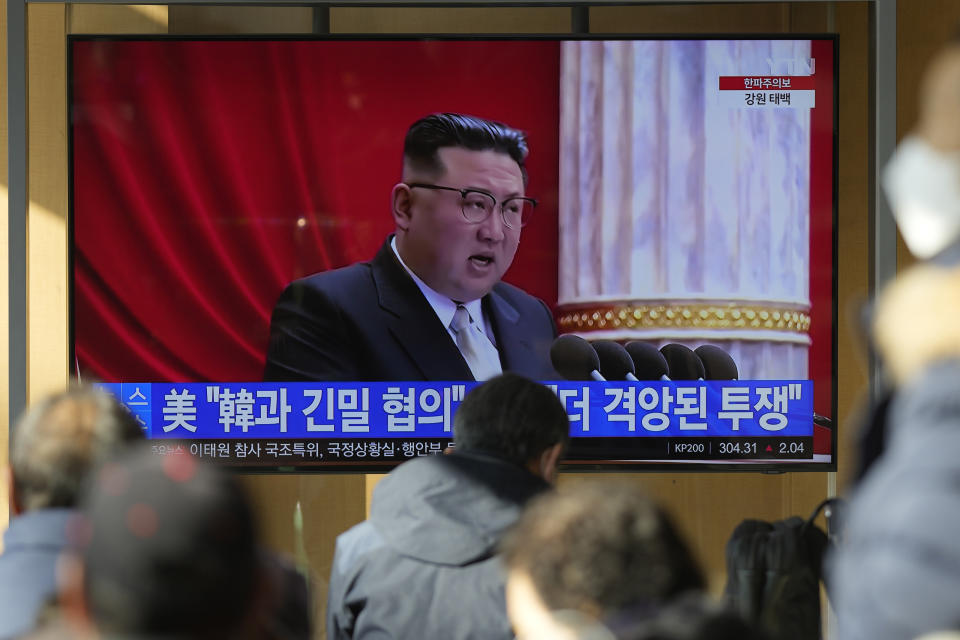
(600, 549)
(433, 132)
(59, 441)
(169, 549)
(511, 417)
(692, 616)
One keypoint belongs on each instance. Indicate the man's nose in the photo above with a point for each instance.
(492, 229)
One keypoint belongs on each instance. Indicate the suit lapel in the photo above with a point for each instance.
(514, 348)
(413, 323)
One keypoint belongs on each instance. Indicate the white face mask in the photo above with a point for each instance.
(923, 186)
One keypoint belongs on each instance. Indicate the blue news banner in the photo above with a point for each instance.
(350, 422)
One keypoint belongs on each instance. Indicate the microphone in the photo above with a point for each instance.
(575, 359)
(615, 362)
(823, 421)
(682, 362)
(648, 362)
(717, 363)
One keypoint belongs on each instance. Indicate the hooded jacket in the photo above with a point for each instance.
(896, 574)
(424, 564)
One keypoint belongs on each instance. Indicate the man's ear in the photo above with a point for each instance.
(400, 201)
(549, 461)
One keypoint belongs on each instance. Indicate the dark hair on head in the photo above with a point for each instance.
(511, 417)
(691, 616)
(600, 549)
(60, 440)
(433, 132)
(169, 549)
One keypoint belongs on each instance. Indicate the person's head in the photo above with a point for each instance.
(591, 551)
(60, 440)
(515, 419)
(692, 616)
(166, 547)
(908, 342)
(481, 161)
(922, 179)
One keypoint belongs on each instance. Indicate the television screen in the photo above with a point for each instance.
(236, 281)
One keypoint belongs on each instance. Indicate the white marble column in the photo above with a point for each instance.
(682, 219)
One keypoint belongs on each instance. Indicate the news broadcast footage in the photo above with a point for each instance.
(685, 196)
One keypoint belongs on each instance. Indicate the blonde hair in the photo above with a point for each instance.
(917, 320)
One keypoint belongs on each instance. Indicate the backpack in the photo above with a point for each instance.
(774, 572)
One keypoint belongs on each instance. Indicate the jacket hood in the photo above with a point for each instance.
(451, 509)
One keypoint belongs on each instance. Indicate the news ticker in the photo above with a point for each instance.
(369, 451)
(396, 410)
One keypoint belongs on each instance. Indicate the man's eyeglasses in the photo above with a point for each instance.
(478, 205)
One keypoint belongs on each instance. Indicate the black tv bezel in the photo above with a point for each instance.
(592, 466)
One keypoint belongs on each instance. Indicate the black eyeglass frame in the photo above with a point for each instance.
(463, 195)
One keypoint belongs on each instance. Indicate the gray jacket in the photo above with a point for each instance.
(31, 546)
(897, 574)
(423, 565)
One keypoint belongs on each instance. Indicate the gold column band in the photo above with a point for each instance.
(598, 317)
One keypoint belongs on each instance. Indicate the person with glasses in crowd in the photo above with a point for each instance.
(431, 304)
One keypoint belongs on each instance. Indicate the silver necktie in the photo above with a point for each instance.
(480, 354)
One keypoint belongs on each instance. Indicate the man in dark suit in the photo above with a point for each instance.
(430, 305)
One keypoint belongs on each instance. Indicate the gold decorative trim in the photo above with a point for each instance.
(601, 317)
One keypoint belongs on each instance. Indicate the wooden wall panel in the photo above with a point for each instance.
(457, 20)
(117, 18)
(772, 17)
(853, 187)
(185, 19)
(47, 331)
(733, 18)
(330, 505)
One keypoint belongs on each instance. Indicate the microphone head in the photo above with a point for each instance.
(615, 362)
(648, 362)
(717, 363)
(682, 362)
(573, 357)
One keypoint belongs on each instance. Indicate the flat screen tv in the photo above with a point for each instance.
(685, 194)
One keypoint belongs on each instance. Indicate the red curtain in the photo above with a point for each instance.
(821, 230)
(207, 175)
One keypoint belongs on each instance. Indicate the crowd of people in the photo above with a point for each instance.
(109, 540)
(112, 540)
